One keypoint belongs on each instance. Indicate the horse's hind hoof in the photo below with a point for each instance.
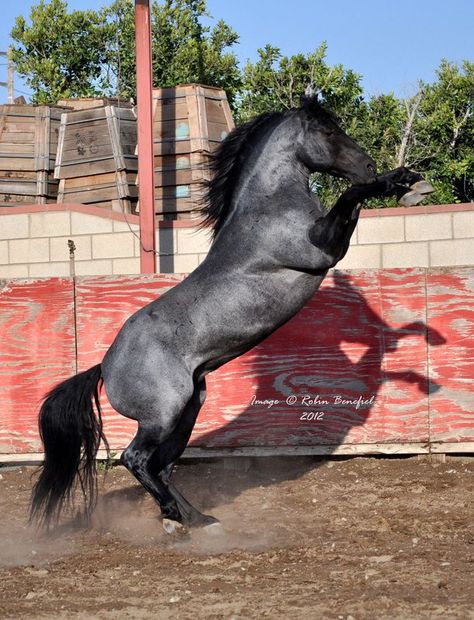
(174, 528)
(208, 521)
(214, 529)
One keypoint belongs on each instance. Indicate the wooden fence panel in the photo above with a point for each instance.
(351, 368)
(450, 301)
(37, 351)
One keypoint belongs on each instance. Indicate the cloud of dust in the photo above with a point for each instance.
(246, 496)
(25, 546)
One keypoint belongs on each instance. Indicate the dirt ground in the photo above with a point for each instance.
(305, 538)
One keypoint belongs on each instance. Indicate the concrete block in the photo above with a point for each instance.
(192, 241)
(52, 224)
(114, 245)
(405, 254)
(383, 229)
(13, 271)
(94, 268)
(29, 250)
(60, 249)
(84, 224)
(185, 263)
(452, 252)
(14, 226)
(463, 224)
(124, 266)
(4, 252)
(50, 270)
(124, 227)
(426, 227)
(361, 257)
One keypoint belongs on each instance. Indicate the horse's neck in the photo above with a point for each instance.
(273, 185)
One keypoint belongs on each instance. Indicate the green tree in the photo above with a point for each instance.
(86, 53)
(60, 54)
(443, 140)
(276, 82)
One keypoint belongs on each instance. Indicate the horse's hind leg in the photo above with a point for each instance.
(150, 458)
(137, 458)
(172, 449)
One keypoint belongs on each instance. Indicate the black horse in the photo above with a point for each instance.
(273, 245)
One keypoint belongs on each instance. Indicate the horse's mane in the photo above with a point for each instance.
(226, 161)
(225, 167)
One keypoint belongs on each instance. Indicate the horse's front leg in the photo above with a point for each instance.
(332, 233)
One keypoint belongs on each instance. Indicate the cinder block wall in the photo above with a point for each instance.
(34, 240)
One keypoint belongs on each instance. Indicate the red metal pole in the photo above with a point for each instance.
(146, 190)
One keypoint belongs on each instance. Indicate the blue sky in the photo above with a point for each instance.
(391, 43)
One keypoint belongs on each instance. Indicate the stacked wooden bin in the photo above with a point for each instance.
(28, 145)
(97, 161)
(189, 121)
(84, 150)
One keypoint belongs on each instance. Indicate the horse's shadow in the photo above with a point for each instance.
(345, 359)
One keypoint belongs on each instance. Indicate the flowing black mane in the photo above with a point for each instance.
(225, 162)
(225, 167)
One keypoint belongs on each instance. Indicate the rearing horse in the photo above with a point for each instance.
(273, 245)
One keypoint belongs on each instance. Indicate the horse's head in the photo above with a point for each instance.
(324, 147)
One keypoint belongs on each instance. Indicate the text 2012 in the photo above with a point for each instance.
(312, 415)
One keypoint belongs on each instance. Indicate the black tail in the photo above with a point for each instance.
(71, 433)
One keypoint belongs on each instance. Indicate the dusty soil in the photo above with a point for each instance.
(307, 538)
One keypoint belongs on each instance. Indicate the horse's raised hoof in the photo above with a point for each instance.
(411, 199)
(174, 528)
(422, 187)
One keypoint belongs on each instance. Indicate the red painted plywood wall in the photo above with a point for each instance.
(37, 349)
(377, 356)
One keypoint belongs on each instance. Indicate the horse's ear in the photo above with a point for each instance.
(310, 98)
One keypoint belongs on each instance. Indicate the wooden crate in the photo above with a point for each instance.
(28, 147)
(189, 122)
(97, 161)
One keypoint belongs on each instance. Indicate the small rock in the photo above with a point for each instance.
(175, 599)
